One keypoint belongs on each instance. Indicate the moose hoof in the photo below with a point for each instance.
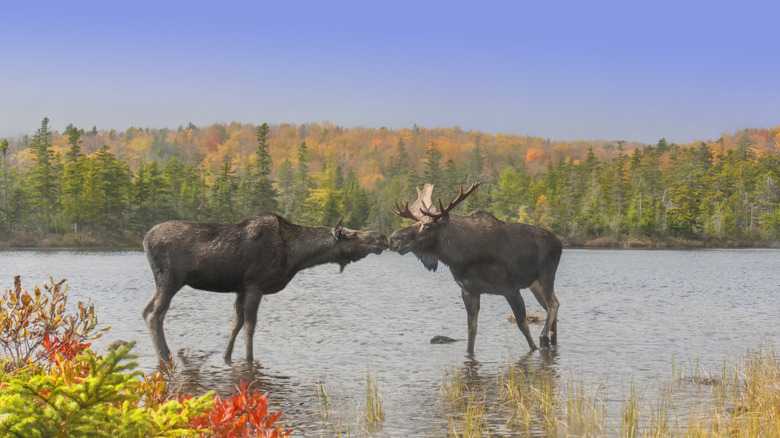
(544, 341)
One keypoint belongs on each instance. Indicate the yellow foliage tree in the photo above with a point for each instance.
(542, 216)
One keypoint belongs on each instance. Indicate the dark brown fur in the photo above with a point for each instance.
(486, 255)
(256, 257)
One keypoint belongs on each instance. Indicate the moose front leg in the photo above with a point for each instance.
(471, 300)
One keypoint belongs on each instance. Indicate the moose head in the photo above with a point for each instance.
(422, 237)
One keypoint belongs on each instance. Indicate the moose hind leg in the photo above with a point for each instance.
(545, 294)
(471, 300)
(517, 304)
(251, 304)
(154, 315)
(238, 322)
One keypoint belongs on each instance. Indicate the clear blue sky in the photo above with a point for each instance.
(564, 70)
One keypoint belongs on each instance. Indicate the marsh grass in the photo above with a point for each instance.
(585, 412)
(464, 409)
(340, 419)
(530, 397)
(323, 399)
(743, 401)
(630, 413)
(373, 412)
(751, 399)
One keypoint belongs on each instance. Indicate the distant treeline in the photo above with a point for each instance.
(107, 186)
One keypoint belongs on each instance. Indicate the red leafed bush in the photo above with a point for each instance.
(67, 346)
(243, 415)
(35, 326)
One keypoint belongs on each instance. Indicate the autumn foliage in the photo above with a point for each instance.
(53, 385)
(89, 187)
(245, 414)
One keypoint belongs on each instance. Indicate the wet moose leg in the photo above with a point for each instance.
(238, 322)
(517, 304)
(472, 309)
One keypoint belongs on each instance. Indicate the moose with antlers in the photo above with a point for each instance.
(485, 256)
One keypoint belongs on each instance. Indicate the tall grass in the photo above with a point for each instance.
(373, 413)
(585, 412)
(751, 404)
(465, 410)
(323, 399)
(743, 402)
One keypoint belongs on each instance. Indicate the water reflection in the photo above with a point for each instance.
(516, 398)
(196, 373)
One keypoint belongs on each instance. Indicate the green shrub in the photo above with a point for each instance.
(90, 396)
(53, 385)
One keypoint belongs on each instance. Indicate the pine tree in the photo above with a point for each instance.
(286, 183)
(399, 161)
(476, 163)
(73, 180)
(4, 205)
(432, 172)
(264, 195)
(452, 181)
(223, 194)
(42, 175)
(301, 185)
(115, 178)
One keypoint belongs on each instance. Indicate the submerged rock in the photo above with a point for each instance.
(114, 345)
(439, 339)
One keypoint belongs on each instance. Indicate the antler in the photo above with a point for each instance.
(452, 204)
(423, 201)
(405, 212)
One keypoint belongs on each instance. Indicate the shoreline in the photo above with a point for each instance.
(83, 242)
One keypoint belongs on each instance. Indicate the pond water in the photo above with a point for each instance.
(625, 317)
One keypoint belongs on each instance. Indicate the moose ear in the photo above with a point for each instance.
(338, 230)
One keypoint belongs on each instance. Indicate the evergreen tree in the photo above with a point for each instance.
(356, 203)
(4, 205)
(432, 171)
(223, 194)
(399, 161)
(74, 138)
(174, 177)
(506, 197)
(301, 184)
(476, 163)
(73, 180)
(452, 181)
(286, 184)
(114, 184)
(193, 195)
(42, 176)
(264, 194)
(151, 197)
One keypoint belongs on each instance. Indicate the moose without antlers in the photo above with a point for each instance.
(485, 255)
(256, 257)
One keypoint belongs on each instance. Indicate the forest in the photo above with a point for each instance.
(105, 188)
